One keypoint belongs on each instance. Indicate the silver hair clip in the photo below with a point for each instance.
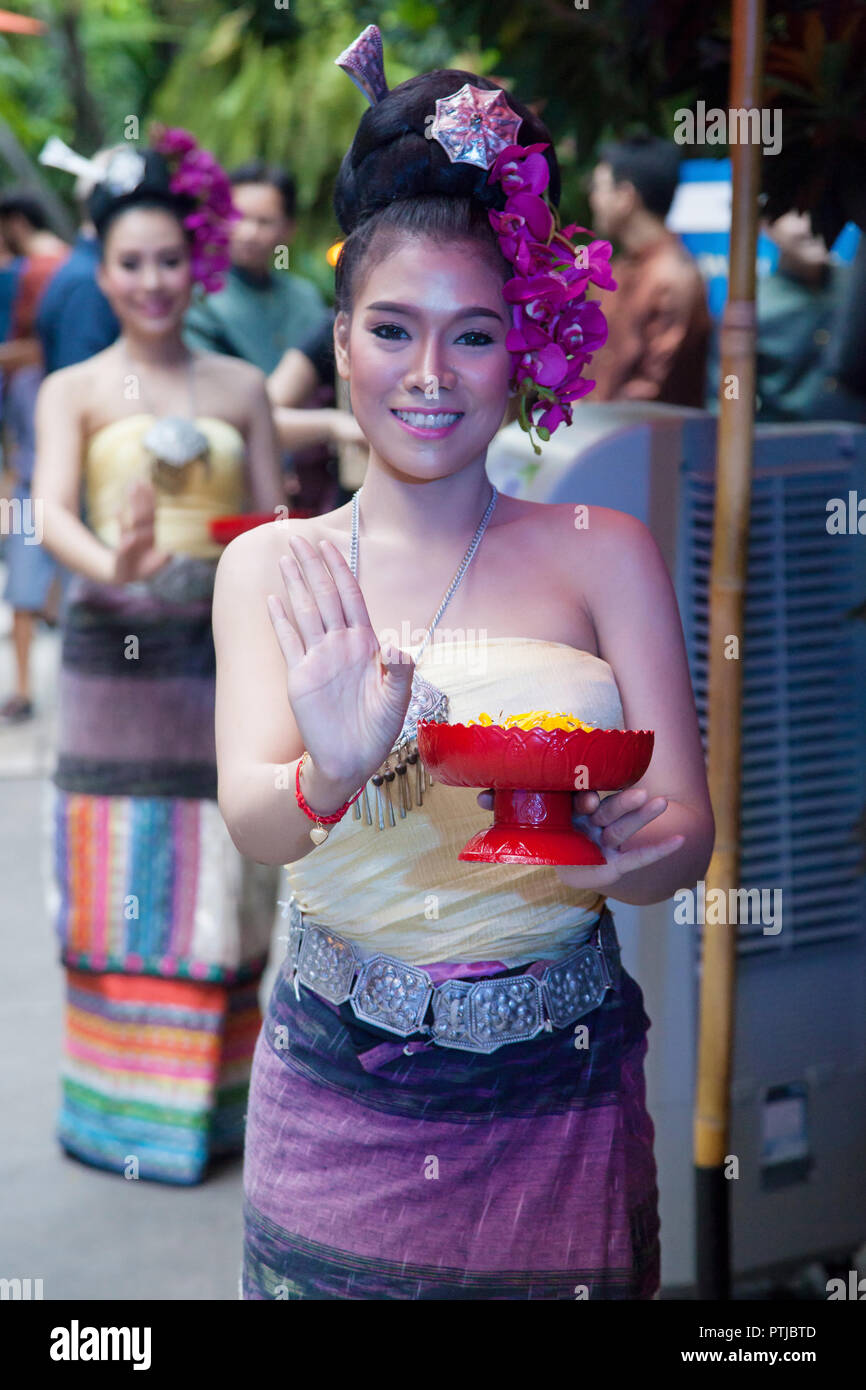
(473, 126)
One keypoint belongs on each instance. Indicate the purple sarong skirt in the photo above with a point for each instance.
(526, 1173)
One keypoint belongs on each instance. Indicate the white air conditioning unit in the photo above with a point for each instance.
(799, 1119)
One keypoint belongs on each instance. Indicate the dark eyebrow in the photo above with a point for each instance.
(477, 311)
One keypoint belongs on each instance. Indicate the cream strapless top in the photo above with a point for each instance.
(402, 890)
(115, 457)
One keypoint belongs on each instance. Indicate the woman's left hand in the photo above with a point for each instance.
(610, 824)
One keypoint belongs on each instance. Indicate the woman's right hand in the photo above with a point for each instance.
(348, 693)
(135, 557)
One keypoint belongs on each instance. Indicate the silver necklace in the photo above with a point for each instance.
(425, 702)
(174, 442)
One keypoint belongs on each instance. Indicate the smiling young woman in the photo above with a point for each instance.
(163, 928)
(392, 1149)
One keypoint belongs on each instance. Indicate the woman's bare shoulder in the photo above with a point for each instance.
(78, 380)
(596, 550)
(617, 556)
(617, 534)
(598, 527)
(609, 542)
(69, 393)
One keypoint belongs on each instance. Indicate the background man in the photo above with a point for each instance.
(658, 320)
(261, 311)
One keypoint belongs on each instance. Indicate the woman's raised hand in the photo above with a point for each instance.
(135, 556)
(348, 693)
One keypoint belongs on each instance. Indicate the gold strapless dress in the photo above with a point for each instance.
(115, 458)
(403, 891)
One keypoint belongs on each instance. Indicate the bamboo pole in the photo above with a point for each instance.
(727, 593)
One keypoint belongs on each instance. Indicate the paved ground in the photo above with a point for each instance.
(85, 1233)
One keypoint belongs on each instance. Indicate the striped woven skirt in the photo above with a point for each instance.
(164, 928)
(156, 1072)
(527, 1173)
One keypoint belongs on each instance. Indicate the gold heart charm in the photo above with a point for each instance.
(318, 834)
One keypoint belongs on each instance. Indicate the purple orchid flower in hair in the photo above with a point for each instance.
(175, 140)
(195, 174)
(521, 169)
(537, 357)
(555, 329)
(593, 260)
(582, 327)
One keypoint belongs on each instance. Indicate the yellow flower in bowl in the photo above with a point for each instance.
(535, 719)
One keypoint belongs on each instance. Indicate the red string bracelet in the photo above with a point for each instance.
(319, 834)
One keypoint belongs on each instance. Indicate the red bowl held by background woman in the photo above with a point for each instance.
(224, 529)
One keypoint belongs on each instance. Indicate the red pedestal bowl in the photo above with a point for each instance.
(534, 774)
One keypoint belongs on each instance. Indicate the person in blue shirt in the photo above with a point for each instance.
(9, 268)
(75, 320)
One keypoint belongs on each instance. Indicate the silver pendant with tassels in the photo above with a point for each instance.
(393, 782)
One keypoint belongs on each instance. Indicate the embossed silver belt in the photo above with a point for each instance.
(478, 1017)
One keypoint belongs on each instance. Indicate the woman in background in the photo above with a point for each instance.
(164, 928)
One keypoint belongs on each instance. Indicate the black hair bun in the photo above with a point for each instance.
(155, 188)
(391, 157)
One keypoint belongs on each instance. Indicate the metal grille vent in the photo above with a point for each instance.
(804, 716)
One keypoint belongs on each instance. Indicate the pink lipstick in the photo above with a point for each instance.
(428, 424)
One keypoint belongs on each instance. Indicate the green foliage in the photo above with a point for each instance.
(99, 62)
(244, 94)
(257, 77)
